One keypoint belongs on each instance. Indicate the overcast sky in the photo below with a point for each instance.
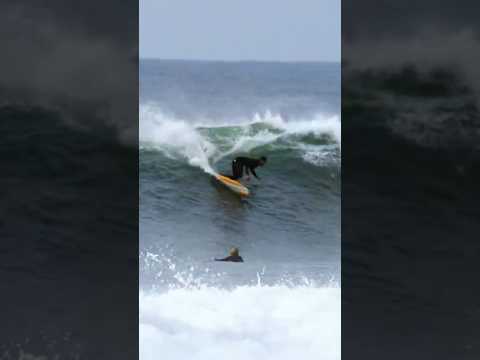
(279, 30)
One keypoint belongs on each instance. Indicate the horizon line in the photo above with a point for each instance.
(241, 60)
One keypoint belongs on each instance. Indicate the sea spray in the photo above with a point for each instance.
(174, 138)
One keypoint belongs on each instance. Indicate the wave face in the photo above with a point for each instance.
(283, 302)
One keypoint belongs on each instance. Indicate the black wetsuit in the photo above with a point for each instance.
(243, 162)
(232, 258)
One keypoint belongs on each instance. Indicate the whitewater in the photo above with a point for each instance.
(249, 322)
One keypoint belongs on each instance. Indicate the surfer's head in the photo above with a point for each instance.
(262, 160)
(234, 251)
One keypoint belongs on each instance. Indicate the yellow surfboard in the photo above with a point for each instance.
(233, 185)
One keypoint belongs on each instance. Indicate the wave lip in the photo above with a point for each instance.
(248, 322)
(175, 138)
(202, 143)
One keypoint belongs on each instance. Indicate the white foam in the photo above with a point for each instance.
(250, 322)
(319, 155)
(318, 125)
(175, 137)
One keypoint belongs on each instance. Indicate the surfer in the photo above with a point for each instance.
(249, 164)
(234, 256)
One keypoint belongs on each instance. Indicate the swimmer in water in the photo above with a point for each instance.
(233, 257)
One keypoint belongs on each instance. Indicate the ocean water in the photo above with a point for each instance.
(283, 302)
(410, 215)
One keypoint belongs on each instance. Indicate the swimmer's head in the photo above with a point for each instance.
(234, 251)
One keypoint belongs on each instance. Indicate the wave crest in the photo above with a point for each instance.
(203, 143)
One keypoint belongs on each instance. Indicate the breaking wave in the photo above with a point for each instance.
(203, 143)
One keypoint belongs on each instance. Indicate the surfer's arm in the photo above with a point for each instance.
(231, 258)
(254, 173)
